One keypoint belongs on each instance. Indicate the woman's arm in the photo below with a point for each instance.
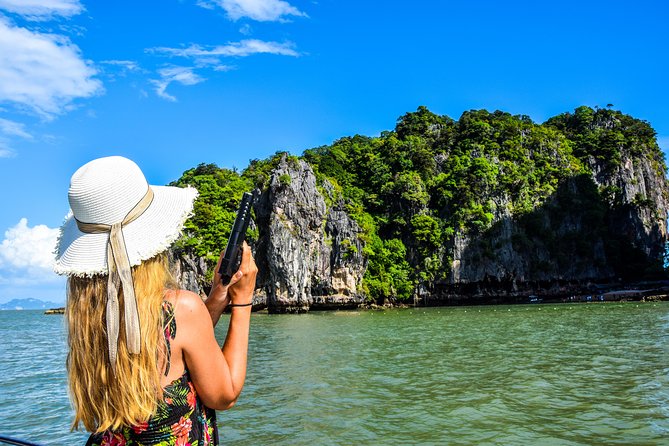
(236, 343)
(219, 374)
(218, 298)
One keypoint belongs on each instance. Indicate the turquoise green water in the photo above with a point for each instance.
(543, 374)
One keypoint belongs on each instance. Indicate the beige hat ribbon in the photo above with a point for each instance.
(120, 273)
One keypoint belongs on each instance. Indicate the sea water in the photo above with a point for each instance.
(570, 374)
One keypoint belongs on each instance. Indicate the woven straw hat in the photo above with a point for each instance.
(103, 191)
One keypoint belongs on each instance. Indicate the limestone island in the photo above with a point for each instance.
(489, 208)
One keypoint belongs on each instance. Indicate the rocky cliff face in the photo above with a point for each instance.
(556, 249)
(491, 207)
(640, 195)
(308, 254)
(189, 271)
(567, 244)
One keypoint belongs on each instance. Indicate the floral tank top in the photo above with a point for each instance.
(180, 419)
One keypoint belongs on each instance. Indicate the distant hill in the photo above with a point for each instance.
(28, 304)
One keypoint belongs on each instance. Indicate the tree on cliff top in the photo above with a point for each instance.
(608, 135)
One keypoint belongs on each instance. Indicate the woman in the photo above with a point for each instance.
(144, 366)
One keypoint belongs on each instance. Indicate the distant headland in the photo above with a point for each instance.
(28, 303)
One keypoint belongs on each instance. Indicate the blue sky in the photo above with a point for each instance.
(173, 83)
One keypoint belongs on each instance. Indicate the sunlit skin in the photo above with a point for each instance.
(217, 373)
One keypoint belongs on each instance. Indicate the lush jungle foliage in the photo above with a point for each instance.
(414, 188)
(207, 231)
(220, 191)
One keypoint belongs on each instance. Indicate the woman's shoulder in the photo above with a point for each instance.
(186, 304)
(180, 297)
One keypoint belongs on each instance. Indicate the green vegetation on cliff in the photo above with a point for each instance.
(413, 190)
(221, 190)
(608, 135)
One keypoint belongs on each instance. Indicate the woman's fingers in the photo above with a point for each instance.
(242, 291)
(246, 257)
(217, 276)
(248, 263)
(235, 278)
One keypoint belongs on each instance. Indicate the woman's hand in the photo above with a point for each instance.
(218, 297)
(219, 291)
(240, 290)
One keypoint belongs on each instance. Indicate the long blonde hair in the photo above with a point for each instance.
(104, 399)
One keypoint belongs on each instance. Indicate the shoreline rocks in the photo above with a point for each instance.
(55, 311)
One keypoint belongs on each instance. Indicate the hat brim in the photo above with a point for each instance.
(82, 254)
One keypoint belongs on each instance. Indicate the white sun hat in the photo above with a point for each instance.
(118, 220)
(103, 191)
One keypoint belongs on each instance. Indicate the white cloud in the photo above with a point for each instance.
(182, 75)
(246, 29)
(8, 131)
(42, 72)
(129, 65)
(5, 150)
(114, 69)
(27, 254)
(210, 57)
(12, 128)
(260, 10)
(26, 259)
(224, 68)
(242, 48)
(42, 9)
(206, 4)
